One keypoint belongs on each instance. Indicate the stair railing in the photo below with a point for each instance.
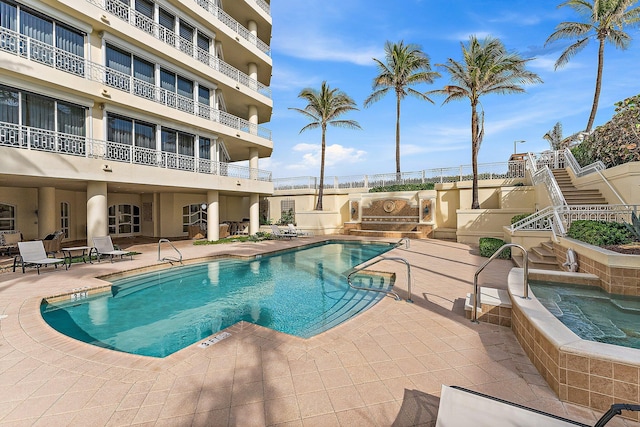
(476, 288)
(169, 259)
(596, 167)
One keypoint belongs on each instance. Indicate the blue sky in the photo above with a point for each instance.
(335, 41)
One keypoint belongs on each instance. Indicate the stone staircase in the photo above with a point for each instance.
(572, 195)
(541, 257)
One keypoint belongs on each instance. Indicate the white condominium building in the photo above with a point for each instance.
(127, 117)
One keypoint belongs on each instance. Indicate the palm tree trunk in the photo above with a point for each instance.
(474, 156)
(321, 189)
(398, 137)
(596, 95)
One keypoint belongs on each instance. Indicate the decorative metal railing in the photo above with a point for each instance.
(558, 217)
(572, 163)
(227, 20)
(264, 6)
(43, 53)
(146, 24)
(504, 170)
(29, 138)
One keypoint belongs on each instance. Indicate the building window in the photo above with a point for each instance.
(64, 219)
(178, 91)
(7, 217)
(193, 215)
(204, 44)
(48, 115)
(204, 102)
(124, 219)
(51, 43)
(123, 65)
(186, 38)
(126, 131)
(167, 27)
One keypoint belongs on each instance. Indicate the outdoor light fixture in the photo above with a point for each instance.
(515, 150)
(204, 206)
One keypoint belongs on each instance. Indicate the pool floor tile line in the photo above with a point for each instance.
(384, 367)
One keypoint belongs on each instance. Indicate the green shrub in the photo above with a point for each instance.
(634, 226)
(403, 187)
(488, 245)
(600, 233)
(287, 218)
(519, 217)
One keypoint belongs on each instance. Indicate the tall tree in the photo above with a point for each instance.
(556, 140)
(603, 20)
(486, 68)
(323, 108)
(403, 66)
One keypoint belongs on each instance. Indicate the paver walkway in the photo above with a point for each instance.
(383, 368)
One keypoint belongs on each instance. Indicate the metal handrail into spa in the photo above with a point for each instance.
(362, 267)
(170, 260)
(476, 288)
(407, 243)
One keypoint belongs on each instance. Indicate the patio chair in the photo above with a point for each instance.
(53, 242)
(32, 254)
(9, 242)
(281, 234)
(103, 246)
(298, 233)
(461, 407)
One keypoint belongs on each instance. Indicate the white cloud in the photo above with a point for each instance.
(335, 154)
(316, 47)
(464, 36)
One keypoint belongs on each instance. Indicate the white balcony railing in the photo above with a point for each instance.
(29, 138)
(43, 53)
(506, 170)
(144, 23)
(122, 11)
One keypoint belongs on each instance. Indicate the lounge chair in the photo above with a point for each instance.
(281, 234)
(462, 407)
(298, 233)
(32, 254)
(103, 246)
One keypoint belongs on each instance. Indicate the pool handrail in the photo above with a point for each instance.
(476, 288)
(362, 267)
(170, 260)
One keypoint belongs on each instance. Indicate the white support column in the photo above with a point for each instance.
(254, 214)
(213, 216)
(253, 163)
(97, 211)
(47, 211)
(253, 75)
(253, 119)
(252, 26)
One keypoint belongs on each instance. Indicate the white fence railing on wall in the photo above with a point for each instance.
(506, 170)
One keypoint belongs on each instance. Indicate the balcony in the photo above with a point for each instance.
(264, 6)
(29, 138)
(37, 51)
(125, 13)
(144, 23)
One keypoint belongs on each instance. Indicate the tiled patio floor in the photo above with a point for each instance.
(383, 368)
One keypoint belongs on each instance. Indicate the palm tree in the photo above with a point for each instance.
(603, 20)
(404, 66)
(323, 108)
(487, 68)
(556, 140)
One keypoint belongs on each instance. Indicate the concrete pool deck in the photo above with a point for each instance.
(384, 367)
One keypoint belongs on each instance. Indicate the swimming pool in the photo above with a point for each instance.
(592, 313)
(300, 292)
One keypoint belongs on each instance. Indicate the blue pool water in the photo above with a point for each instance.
(301, 292)
(592, 313)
